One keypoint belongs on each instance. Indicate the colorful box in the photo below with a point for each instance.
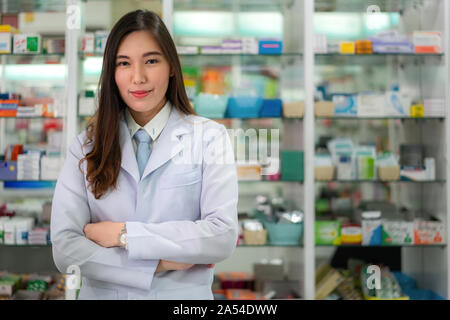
(27, 43)
(8, 170)
(417, 111)
(292, 165)
(371, 228)
(270, 46)
(347, 47)
(327, 232)
(345, 105)
(429, 232)
(397, 232)
(351, 234)
(427, 41)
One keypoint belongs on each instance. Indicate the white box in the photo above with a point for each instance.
(371, 105)
(27, 43)
(88, 43)
(397, 104)
(5, 42)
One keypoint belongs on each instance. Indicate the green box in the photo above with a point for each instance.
(327, 232)
(397, 232)
(292, 165)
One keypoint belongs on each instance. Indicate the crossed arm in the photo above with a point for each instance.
(106, 234)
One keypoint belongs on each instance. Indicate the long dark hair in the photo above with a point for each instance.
(103, 131)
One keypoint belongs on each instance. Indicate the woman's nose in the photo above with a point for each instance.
(138, 75)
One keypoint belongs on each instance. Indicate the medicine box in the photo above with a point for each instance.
(345, 105)
(268, 46)
(347, 47)
(371, 231)
(371, 104)
(8, 170)
(427, 42)
(27, 43)
(327, 232)
(292, 165)
(428, 232)
(397, 232)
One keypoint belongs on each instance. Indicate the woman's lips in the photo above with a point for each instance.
(140, 93)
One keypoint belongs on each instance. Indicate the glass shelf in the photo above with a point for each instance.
(377, 118)
(384, 246)
(14, 6)
(26, 245)
(59, 54)
(35, 117)
(270, 245)
(400, 54)
(380, 181)
(269, 181)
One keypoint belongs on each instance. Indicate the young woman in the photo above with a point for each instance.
(146, 202)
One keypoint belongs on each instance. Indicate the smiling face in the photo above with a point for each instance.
(142, 75)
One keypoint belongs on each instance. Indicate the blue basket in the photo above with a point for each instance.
(284, 233)
(210, 105)
(271, 108)
(244, 107)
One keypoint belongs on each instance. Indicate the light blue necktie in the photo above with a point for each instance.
(143, 149)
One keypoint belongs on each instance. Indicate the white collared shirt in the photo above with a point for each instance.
(153, 127)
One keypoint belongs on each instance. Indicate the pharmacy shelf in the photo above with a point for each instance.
(381, 181)
(269, 181)
(26, 245)
(400, 54)
(268, 245)
(379, 118)
(59, 54)
(31, 118)
(385, 246)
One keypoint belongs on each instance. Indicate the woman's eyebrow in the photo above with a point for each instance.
(150, 53)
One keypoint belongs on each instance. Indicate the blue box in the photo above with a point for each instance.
(8, 170)
(270, 47)
(345, 105)
(244, 107)
(210, 105)
(271, 108)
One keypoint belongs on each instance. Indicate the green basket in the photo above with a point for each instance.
(284, 233)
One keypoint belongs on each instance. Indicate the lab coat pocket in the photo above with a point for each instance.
(180, 179)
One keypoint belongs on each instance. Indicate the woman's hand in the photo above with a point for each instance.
(165, 265)
(105, 234)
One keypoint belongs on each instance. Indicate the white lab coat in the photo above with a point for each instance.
(180, 210)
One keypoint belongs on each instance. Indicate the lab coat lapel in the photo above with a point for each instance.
(168, 144)
(129, 162)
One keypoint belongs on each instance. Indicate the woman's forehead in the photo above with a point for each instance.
(138, 43)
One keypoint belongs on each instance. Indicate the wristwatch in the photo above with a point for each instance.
(123, 237)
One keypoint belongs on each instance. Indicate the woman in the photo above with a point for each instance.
(146, 202)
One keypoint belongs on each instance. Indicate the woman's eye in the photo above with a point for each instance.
(151, 61)
(122, 63)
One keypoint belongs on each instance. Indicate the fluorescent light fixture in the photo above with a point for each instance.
(203, 23)
(92, 66)
(40, 72)
(260, 24)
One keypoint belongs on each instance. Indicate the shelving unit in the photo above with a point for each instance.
(428, 263)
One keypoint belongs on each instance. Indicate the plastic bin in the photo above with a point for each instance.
(255, 237)
(324, 173)
(211, 105)
(391, 173)
(284, 233)
(271, 108)
(293, 109)
(244, 107)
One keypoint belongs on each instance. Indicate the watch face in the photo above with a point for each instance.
(123, 239)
